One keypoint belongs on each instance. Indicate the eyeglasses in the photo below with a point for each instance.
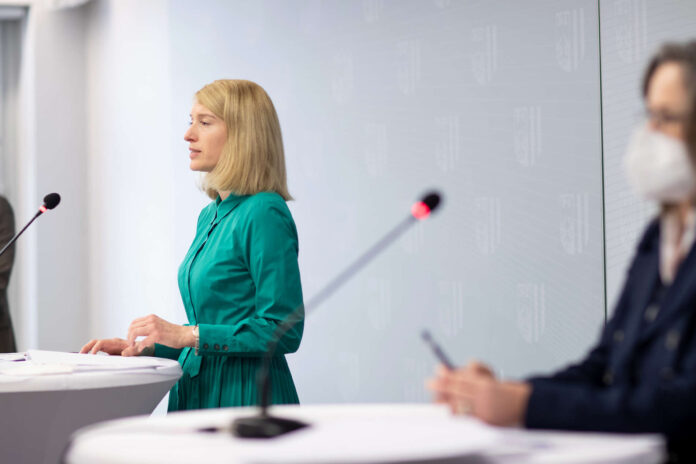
(663, 118)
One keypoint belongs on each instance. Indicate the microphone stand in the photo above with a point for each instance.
(264, 425)
(14, 239)
(50, 201)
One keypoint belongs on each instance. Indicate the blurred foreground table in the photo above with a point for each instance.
(350, 434)
(45, 396)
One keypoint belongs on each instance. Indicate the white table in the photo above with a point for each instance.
(350, 434)
(43, 400)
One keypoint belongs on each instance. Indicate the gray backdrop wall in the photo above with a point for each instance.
(496, 103)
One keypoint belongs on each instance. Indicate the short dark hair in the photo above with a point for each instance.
(683, 54)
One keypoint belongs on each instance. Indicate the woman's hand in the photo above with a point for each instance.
(475, 390)
(157, 330)
(111, 346)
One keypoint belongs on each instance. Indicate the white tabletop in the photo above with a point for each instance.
(350, 434)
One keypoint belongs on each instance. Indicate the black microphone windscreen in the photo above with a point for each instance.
(432, 200)
(51, 200)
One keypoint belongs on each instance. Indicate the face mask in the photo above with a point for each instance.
(659, 167)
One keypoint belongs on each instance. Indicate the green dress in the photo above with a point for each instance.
(238, 281)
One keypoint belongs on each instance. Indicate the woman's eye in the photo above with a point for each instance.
(205, 123)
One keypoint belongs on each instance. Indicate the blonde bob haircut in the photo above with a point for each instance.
(252, 159)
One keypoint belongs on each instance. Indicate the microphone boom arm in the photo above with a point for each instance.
(266, 426)
(264, 378)
(14, 239)
(50, 201)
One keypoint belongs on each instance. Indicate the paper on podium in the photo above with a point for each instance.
(90, 362)
(29, 369)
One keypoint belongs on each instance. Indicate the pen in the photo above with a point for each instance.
(425, 334)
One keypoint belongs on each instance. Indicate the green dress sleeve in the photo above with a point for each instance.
(269, 243)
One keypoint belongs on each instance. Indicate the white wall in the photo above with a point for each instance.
(142, 198)
(61, 167)
(49, 279)
(95, 127)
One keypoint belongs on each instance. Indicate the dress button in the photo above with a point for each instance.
(224, 347)
(206, 346)
(667, 373)
(618, 336)
(651, 312)
(217, 347)
(608, 377)
(672, 340)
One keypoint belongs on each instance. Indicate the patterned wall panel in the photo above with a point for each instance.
(496, 103)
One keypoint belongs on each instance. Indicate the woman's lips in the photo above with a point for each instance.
(194, 153)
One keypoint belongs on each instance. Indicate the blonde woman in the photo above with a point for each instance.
(240, 278)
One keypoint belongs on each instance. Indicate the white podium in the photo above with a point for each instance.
(46, 396)
(385, 433)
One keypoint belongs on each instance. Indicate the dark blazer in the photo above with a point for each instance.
(7, 229)
(641, 376)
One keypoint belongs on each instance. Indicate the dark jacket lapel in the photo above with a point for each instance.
(678, 296)
(645, 276)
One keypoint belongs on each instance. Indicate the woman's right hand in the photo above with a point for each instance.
(110, 346)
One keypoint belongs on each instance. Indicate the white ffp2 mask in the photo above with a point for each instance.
(659, 166)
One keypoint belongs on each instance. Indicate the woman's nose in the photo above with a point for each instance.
(189, 135)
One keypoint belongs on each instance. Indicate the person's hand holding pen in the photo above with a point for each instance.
(446, 377)
(474, 390)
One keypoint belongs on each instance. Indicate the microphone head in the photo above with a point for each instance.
(432, 200)
(427, 205)
(51, 200)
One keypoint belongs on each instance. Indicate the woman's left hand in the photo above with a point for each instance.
(157, 330)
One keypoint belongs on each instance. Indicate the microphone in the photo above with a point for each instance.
(265, 426)
(50, 201)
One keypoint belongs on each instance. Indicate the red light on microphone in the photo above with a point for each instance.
(420, 210)
(43, 208)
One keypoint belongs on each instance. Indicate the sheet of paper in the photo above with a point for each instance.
(87, 362)
(11, 357)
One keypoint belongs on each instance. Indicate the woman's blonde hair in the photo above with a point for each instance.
(252, 159)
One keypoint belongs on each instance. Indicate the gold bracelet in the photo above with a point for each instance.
(196, 337)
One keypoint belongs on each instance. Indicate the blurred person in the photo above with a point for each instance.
(641, 375)
(240, 278)
(7, 231)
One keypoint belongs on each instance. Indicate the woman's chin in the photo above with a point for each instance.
(196, 166)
